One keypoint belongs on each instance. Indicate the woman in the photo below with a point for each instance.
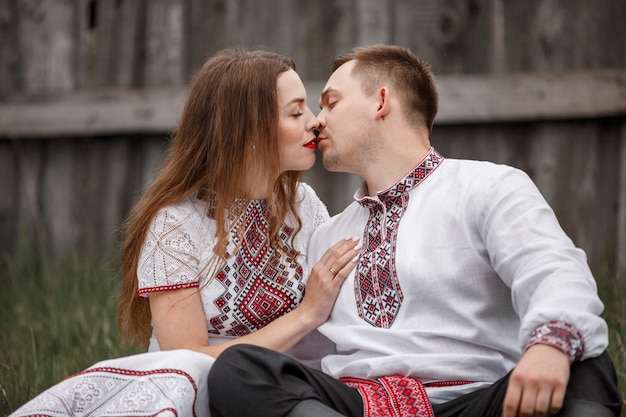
(227, 206)
(216, 247)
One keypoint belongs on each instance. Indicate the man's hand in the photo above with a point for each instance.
(537, 384)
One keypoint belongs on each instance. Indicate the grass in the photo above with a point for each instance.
(612, 290)
(58, 317)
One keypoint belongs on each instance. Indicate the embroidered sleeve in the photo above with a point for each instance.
(560, 335)
(168, 259)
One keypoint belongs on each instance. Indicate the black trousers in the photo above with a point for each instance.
(248, 380)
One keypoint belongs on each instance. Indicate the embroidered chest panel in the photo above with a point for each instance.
(260, 283)
(376, 286)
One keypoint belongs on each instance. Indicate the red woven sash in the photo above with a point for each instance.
(392, 396)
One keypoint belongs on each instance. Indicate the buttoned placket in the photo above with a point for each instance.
(368, 286)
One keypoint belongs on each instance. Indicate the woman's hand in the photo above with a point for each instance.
(179, 321)
(326, 278)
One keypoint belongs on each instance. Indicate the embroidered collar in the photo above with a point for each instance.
(240, 207)
(377, 288)
(418, 174)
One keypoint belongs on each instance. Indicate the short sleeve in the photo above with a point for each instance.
(313, 214)
(169, 258)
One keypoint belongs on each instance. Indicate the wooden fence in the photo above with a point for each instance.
(89, 91)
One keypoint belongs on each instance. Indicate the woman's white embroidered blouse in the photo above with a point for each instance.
(254, 286)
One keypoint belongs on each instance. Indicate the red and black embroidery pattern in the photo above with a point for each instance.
(117, 392)
(392, 396)
(561, 335)
(260, 283)
(377, 289)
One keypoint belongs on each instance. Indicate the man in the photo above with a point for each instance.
(468, 298)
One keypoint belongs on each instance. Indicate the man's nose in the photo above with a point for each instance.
(321, 120)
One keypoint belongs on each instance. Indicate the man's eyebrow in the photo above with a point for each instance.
(325, 93)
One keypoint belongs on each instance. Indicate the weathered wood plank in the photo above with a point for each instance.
(47, 45)
(553, 35)
(621, 208)
(10, 65)
(463, 99)
(414, 28)
(374, 24)
(130, 63)
(59, 181)
(532, 96)
(28, 175)
(164, 43)
(572, 165)
(328, 29)
(106, 37)
(110, 171)
(9, 184)
(88, 113)
(204, 32)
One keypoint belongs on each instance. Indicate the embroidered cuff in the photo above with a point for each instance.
(561, 335)
(144, 292)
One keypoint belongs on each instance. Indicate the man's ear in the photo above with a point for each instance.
(384, 103)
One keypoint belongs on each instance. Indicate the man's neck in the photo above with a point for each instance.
(392, 169)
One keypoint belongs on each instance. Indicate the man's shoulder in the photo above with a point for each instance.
(477, 171)
(476, 165)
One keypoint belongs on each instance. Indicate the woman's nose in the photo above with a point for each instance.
(312, 122)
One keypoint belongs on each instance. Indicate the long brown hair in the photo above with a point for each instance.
(227, 134)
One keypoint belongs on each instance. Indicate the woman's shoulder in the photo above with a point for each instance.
(307, 198)
(189, 210)
(306, 191)
(310, 205)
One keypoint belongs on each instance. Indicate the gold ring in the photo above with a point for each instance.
(332, 271)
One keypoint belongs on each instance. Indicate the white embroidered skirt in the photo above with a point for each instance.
(167, 383)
